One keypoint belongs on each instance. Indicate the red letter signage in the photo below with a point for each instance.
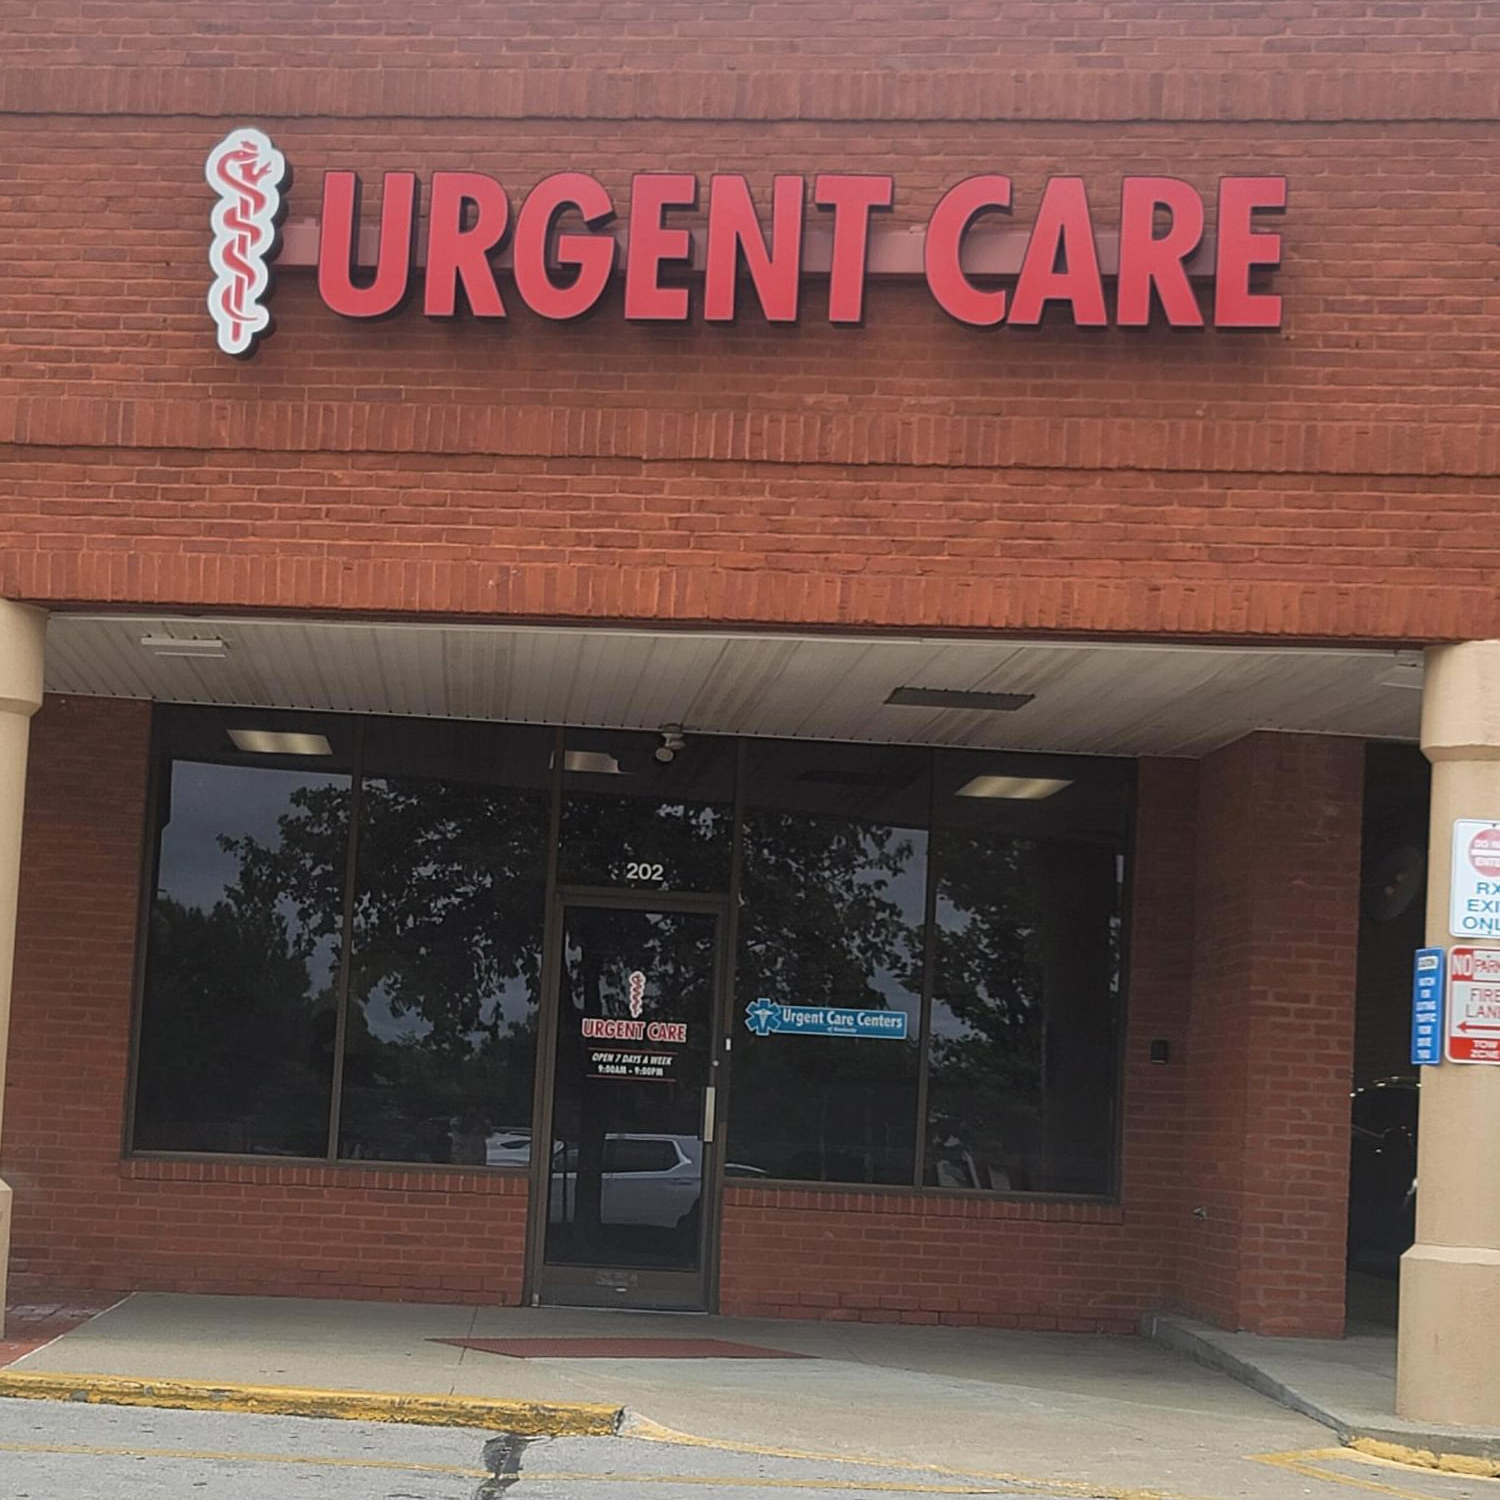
(592, 255)
(1062, 260)
(955, 293)
(1149, 260)
(458, 253)
(1241, 249)
(338, 245)
(852, 198)
(734, 230)
(1172, 266)
(652, 245)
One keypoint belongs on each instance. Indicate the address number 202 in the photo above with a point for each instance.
(637, 870)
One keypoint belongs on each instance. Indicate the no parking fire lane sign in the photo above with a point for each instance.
(1474, 1005)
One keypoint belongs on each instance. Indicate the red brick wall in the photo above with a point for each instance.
(1328, 480)
(894, 1257)
(571, 36)
(1272, 1036)
(85, 1220)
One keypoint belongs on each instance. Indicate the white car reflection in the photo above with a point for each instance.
(508, 1148)
(654, 1181)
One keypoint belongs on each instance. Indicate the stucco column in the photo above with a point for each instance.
(21, 635)
(1449, 1347)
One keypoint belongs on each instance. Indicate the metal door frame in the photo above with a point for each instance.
(627, 899)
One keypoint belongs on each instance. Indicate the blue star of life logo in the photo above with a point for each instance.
(761, 1016)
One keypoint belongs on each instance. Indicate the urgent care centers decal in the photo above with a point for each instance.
(560, 244)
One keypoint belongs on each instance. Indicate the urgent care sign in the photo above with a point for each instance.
(691, 247)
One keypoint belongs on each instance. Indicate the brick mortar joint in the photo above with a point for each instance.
(337, 1177)
(1130, 93)
(925, 1206)
(887, 439)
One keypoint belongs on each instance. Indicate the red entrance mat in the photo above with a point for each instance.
(620, 1349)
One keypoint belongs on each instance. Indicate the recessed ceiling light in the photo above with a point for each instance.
(1021, 788)
(920, 697)
(1407, 669)
(279, 742)
(209, 647)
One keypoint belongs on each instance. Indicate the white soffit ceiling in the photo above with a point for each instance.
(1091, 697)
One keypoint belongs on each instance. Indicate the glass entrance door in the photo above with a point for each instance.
(630, 1181)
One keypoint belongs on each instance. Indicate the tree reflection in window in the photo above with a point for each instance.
(1026, 978)
(239, 1007)
(440, 1046)
(832, 900)
(240, 1013)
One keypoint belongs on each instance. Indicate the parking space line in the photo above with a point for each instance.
(643, 1429)
(1303, 1463)
(965, 1482)
(101, 1450)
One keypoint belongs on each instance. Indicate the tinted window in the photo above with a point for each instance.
(833, 891)
(631, 819)
(445, 975)
(1028, 858)
(239, 1006)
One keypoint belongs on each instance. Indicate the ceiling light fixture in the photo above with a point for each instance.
(920, 697)
(279, 742)
(592, 762)
(1019, 788)
(672, 740)
(207, 647)
(1406, 669)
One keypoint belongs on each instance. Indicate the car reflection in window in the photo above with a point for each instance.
(652, 1181)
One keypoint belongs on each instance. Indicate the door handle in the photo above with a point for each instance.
(708, 1114)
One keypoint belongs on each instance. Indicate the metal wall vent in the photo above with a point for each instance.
(920, 697)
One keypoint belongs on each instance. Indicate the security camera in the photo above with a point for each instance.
(672, 741)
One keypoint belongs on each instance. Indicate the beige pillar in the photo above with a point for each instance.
(21, 634)
(1448, 1366)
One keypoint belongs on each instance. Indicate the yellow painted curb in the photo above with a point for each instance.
(529, 1418)
(1426, 1458)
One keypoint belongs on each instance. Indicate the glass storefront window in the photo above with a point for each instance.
(832, 900)
(968, 903)
(1028, 856)
(239, 1011)
(632, 818)
(445, 976)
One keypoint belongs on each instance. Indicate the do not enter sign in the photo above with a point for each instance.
(1474, 1005)
(1484, 851)
(1474, 910)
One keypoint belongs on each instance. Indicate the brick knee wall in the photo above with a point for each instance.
(897, 1258)
(1272, 1034)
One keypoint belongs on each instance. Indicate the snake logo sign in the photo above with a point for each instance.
(248, 173)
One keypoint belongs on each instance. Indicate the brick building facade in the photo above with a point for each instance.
(1280, 515)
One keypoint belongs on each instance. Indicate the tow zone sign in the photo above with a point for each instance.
(1474, 1005)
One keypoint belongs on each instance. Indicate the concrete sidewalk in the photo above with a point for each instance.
(1347, 1384)
(1080, 1414)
